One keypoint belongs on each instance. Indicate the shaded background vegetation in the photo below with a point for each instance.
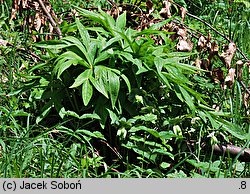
(124, 88)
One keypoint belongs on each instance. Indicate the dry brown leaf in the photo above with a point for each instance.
(246, 99)
(184, 45)
(218, 75)
(36, 5)
(216, 107)
(228, 54)
(182, 32)
(197, 63)
(183, 13)
(202, 43)
(165, 11)
(239, 64)
(25, 4)
(150, 4)
(204, 64)
(3, 42)
(37, 22)
(229, 80)
(174, 28)
(214, 48)
(13, 14)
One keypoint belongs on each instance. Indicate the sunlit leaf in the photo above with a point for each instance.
(114, 87)
(87, 91)
(83, 33)
(121, 21)
(81, 78)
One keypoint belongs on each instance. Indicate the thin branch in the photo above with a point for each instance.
(24, 50)
(210, 26)
(54, 24)
(244, 153)
(234, 151)
(244, 86)
(216, 31)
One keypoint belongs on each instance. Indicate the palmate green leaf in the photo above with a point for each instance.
(121, 21)
(159, 65)
(190, 68)
(62, 65)
(52, 44)
(218, 122)
(90, 14)
(102, 18)
(114, 87)
(188, 98)
(99, 86)
(114, 118)
(176, 75)
(64, 113)
(87, 89)
(83, 33)
(65, 60)
(173, 74)
(147, 117)
(137, 62)
(234, 129)
(102, 57)
(110, 43)
(197, 95)
(127, 82)
(108, 22)
(74, 41)
(87, 92)
(175, 62)
(81, 78)
(143, 128)
(100, 81)
(127, 40)
(144, 47)
(163, 152)
(90, 134)
(151, 32)
(44, 113)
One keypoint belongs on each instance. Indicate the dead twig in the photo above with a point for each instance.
(54, 24)
(244, 154)
(232, 150)
(244, 86)
(6, 43)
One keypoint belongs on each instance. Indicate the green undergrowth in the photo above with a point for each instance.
(107, 100)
